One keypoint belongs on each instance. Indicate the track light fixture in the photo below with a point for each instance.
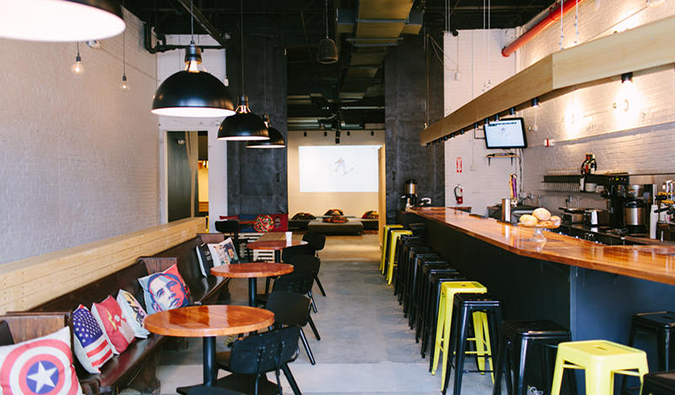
(535, 102)
(626, 77)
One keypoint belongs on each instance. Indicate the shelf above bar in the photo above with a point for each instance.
(595, 62)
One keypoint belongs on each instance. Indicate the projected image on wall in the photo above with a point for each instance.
(340, 168)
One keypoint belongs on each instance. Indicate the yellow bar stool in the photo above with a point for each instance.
(384, 244)
(393, 242)
(444, 323)
(601, 359)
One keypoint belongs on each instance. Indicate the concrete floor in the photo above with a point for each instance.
(366, 346)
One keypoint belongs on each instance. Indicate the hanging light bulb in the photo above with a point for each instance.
(125, 85)
(77, 67)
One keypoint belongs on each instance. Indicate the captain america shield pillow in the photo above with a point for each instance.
(42, 366)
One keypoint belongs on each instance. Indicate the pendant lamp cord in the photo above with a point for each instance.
(192, 23)
(241, 35)
(78, 48)
(326, 12)
(265, 54)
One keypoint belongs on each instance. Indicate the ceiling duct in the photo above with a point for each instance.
(375, 25)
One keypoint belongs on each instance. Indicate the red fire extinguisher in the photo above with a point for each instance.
(459, 194)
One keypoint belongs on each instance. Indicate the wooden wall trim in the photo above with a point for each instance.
(29, 282)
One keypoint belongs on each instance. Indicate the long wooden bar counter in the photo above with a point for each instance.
(590, 288)
(654, 263)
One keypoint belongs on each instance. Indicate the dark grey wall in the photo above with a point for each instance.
(256, 179)
(178, 178)
(407, 92)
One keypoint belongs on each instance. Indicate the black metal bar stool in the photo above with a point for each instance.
(411, 291)
(465, 305)
(406, 242)
(518, 337)
(418, 229)
(409, 275)
(427, 329)
(660, 324)
(426, 268)
(659, 383)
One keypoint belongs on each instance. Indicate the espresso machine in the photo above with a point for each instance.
(615, 193)
(410, 196)
(628, 204)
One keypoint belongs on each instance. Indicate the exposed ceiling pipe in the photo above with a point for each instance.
(205, 23)
(552, 17)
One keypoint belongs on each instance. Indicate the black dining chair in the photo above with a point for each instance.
(307, 264)
(292, 309)
(254, 356)
(315, 240)
(231, 228)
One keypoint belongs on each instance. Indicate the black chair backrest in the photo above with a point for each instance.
(305, 264)
(6, 338)
(289, 308)
(230, 227)
(264, 352)
(294, 282)
(204, 390)
(288, 253)
(316, 240)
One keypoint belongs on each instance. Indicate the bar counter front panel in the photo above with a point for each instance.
(590, 288)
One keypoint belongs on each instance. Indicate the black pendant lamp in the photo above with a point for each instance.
(61, 21)
(193, 92)
(327, 52)
(276, 138)
(244, 125)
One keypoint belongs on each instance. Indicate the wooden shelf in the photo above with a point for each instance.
(642, 48)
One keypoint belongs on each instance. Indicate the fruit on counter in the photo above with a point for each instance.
(542, 214)
(528, 220)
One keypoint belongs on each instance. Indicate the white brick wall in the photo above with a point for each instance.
(475, 54)
(78, 157)
(637, 140)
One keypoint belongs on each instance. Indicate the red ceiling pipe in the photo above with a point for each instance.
(552, 17)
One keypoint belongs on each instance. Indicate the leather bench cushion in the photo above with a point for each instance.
(370, 224)
(352, 226)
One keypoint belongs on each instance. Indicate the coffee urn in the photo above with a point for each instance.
(410, 196)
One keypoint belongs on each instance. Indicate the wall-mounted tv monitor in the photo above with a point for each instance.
(505, 133)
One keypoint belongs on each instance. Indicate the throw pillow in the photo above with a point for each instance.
(108, 314)
(230, 251)
(334, 211)
(39, 366)
(133, 312)
(370, 215)
(205, 259)
(164, 290)
(218, 254)
(263, 223)
(92, 348)
(303, 216)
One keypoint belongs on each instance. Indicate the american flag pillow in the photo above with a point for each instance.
(92, 348)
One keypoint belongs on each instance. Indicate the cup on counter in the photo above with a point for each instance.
(289, 238)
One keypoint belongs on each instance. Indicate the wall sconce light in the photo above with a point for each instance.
(535, 102)
(626, 77)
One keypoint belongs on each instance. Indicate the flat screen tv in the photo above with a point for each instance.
(505, 133)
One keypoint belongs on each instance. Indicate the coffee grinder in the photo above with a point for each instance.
(410, 196)
(615, 193)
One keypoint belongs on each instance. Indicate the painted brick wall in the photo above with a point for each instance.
(78, 157)
(636, 136)
(475, 56)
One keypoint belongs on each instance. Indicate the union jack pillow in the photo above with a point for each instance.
(92, 348)
(39, 366)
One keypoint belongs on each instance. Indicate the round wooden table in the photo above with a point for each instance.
(275, 241)
(208, 322)
(252, 271)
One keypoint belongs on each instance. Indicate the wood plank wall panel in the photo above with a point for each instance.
(29, 282)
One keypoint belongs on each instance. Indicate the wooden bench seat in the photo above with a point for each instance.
(136, 366)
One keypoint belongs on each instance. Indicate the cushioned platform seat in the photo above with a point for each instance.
(370, 224)
(352, 226)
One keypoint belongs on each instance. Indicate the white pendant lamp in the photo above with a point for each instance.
(60, 20)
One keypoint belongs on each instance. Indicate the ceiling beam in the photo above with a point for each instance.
(204, 22)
